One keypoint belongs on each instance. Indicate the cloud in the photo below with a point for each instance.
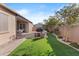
(39, 17)
(23, 12)
(34, 17)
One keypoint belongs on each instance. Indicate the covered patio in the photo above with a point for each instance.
(22, 26)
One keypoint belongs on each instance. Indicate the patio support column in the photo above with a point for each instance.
(27, 27)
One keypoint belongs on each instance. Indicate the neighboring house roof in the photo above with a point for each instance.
(14, 12)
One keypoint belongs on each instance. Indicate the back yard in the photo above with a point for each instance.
(44, 47)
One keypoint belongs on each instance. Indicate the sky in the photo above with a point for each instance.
(36, 12)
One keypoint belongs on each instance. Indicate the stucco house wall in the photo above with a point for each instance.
(30, 28)
(11, 33)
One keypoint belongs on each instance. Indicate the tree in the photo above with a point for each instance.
(69, 14)
(51, 23)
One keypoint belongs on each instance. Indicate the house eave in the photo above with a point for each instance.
(14, 12)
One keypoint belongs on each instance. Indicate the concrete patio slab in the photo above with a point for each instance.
(9, 47)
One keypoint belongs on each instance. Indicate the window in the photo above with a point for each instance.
(24, 26)
(3, 22)
(21, 26)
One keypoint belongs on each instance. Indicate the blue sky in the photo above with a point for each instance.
(36, 12)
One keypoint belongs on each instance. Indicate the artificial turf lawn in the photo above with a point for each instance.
(30, 47)
(44, 47)
(61, 49)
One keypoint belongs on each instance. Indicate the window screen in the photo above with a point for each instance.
(3, 22)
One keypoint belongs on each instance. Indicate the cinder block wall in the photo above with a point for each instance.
(75, 34)
(70, 33)
(64, 31)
